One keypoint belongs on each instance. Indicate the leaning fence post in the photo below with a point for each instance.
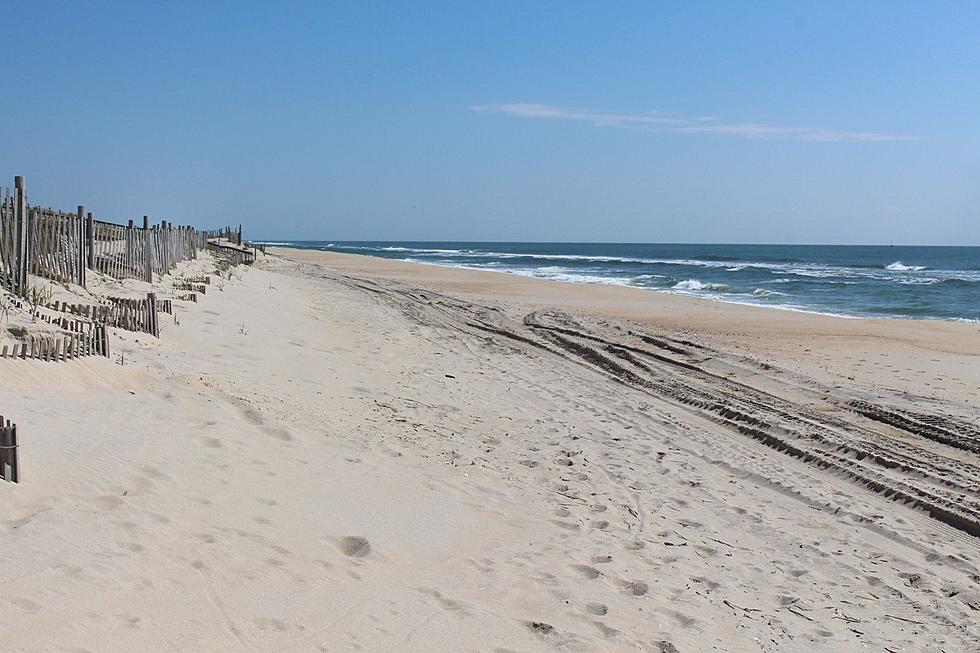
(157, 251)
(23, 245)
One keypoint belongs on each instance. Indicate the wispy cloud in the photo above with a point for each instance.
(656, 121)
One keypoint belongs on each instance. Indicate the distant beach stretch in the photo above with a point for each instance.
(851, 281)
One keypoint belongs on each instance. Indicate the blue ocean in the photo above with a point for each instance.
(854, 281)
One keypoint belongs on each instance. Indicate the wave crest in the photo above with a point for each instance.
(898, 266)
(695, 285)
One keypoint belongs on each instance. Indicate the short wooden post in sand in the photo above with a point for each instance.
(8, 447)
(151, 314)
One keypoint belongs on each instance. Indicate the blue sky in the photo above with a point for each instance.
(831, 122)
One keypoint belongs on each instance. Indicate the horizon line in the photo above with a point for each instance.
(263, 241)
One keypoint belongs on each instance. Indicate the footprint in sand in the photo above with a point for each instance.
(597, 609)
(278, 433)
(587, 571)
(636, 587)
(354, 546)
(540, 627)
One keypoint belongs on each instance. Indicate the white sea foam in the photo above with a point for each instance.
(695, 285)
(898, 266)
(734, 281)
(418, 250)
(556, 273)
(927, 281)
(810, 270)
(800, 269)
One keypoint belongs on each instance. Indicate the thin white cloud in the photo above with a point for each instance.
(599, 119)
(655, 121)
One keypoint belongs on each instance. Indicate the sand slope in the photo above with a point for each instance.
(323, 458)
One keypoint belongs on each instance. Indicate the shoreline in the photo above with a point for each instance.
(625, 281)
(629, 302)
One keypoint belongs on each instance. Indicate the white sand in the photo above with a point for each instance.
(291, 469)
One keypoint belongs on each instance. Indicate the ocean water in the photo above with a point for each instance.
(853, 281)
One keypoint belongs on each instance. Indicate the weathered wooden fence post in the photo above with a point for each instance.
(151, 314)
(156, 249)
(147, 251)
(164, 249)
(8, 447)
(130, 247)
(90, 234)
(22, 249)
(82, 261)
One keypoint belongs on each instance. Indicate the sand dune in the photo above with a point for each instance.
(341, 453)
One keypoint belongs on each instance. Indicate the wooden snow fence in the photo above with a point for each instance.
(225, 233)
(194, 287)
(138, 315)
(233, 254)
(8, 450)
(60, 347)
(131, 252)
(134, 314)
(56, 245)
(61, 246)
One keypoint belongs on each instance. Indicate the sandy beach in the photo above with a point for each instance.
(335, 453)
